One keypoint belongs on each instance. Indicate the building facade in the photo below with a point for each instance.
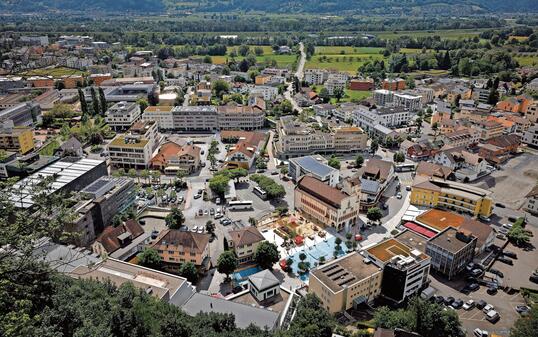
(122, 115)
(135, 148)
(450, 251)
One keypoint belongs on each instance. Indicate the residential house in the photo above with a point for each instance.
(467, 166)
(70, 148)
(264, 285)
(114, 238)
(244, 243)
(531, 136)
(428, 169)
(244, 153)
(173, 157)
(176, 247)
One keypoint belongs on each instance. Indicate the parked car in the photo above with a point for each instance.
(533, 278)
(488, 308)
(200, 230)
(496, 272)
(480, 333)
(212, 211)
(510, 254)
(218, 215)
(498, 204)
(507, 226)
(481, 304)
(274, 173)
(197, 196)
(217, 201)
(408, 188)
(457, 304)
(195, 228)
(200, 212)
(501, 236)
(399, 195)
(492, 290)
(493, 316)
(473, 286)
(503, 231)
(469, 305)
(476, 272)
(505, 260)
(522, 309)
(449, 300)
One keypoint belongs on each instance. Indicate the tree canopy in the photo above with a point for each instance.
(266, 255)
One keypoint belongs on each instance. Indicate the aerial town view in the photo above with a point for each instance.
(247, 168)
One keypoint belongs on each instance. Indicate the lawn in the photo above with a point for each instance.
(282, 61)
(348, 62)
(50, 148)
(353, 96)
(527, 60)
(54, 72)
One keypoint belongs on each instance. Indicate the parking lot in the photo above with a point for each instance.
(502, 302)
(513, 181)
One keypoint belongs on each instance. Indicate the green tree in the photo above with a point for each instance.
(359, 161)
(227, 263)
(398, 157)
(83, 103)
(374, 214)
(266, 255)
(324, 95)
(188, 271)
(210, 227)
(142, 103)
(175, 219)
(334, 162)
(260, 163)
(95, 102)
(219, 184)
(252, 221)
(517, 234)
(338, 93)
(102, 101)
(526, 325)
(149, 258)
(311, 319)
(220, 87)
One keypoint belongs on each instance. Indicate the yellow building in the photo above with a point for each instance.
(19, 139)
(435, 192)
(345, 282)
(262, 79)
(244, 243)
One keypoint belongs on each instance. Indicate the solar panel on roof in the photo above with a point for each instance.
(96, 186)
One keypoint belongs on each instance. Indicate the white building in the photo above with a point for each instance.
(263, 285)
(269, 93)
(122, 115)
(135, 148)
(410, 102)
(531, 136)
(333, 84)
(383, 97)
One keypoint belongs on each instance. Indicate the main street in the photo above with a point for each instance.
(299, 73)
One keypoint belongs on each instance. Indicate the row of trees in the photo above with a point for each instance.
(273, 189)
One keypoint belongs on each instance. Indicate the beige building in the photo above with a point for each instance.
(325, 204)
(346, 282)
(20, 139)
(349, 139)
(244, 242)
(177, 247)
(240, 118)
(135, 148)
(297, 139)
(489, 129)
(532, 112)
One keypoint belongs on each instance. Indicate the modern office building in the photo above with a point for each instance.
(451, 250)
(346, 282)
(69, 174)
(135, 148)
(23, 114)
(314, 166)
(122, 115)
(405, 269)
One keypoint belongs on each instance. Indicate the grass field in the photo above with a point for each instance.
(346, 59)
(527, 60)
(446, 34)
(54, 72)
(282, 61)
(355, 95)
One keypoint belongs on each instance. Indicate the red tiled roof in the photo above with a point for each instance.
(109, 237)
(321, 191)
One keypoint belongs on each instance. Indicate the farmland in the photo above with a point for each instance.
(54, 72)
(268, 54)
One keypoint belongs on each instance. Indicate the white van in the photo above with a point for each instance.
(492, 316)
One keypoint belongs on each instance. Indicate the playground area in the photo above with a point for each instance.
(297, 237)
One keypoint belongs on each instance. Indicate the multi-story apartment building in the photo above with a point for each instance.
(334, 84)
(405, 269)
(377, 175)
(362, 84)
(531, 204)
(463, 137)
(451, 250)
(319, 76)
(345, 283)
(385, 116)
(394, 84)
(162, 115)
(531, 136)
(244, 242)
(298, 139)
(267, 92)
(240, 118)
(488, 129)
(435, 192)
(18, 139)
(315, 167)
(532, 112)
(135, 148)
(383, 97)
(408, 101)
(122, 115)
(325, 204)
(177, 247)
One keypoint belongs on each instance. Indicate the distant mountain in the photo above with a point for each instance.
(274, 6)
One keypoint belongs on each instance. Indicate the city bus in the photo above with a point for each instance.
(260, 193)
(240, 205)
(406, 167)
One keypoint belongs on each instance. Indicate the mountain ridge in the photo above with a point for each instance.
(274, 6)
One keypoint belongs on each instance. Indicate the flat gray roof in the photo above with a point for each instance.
(313, 165)
(244, 314)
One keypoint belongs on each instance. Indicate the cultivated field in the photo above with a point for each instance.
(54, 72)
